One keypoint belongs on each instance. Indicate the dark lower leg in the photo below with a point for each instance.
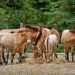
(56, 55)
(12, 58)
(72, 57)
(20, 57)
(3, 58)
(67, 56)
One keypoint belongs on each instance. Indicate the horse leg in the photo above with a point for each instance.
(47, 51)
(20, 57)
(12, 57)
(3, 60)
(48, 55)
(1, 57)
(55, 54)
(51, 55)
(38, 54)
(6, 55)
(67, 56)
(72, 54)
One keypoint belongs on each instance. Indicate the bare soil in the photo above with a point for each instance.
(58, 67)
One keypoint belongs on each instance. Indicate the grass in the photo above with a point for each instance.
(60, 49)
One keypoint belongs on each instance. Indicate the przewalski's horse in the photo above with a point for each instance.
(40, 42)
(68, 39)
(38, 38)
(34, 34)
(14, 41)
(40, 48)
(51, 43)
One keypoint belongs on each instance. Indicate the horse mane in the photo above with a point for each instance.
(49, 27)
(39, 36)
(34, 28)
(72, 31)
(45, 26)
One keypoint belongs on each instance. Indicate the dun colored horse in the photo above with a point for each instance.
(14, 41)
(51, 43)
(44, 40)
(39, 41)
(68, 39)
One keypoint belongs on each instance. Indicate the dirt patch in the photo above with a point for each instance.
(58, 67)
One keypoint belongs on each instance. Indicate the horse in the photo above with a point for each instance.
(14, 41)
(51, 43)
(34, 35)
(40, 48)
(37, 35)
(68, 39)
(40, 42)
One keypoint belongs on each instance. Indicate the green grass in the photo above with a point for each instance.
(60, 48)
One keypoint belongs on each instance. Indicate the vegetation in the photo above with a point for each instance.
(58, 13)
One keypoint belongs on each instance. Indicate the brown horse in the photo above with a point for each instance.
(37, 35)
(68, 39)
(15, 41)
(34, 34)
(51, 43)
(40, 42)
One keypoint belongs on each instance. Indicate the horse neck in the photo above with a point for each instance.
(21, 39)
(36, 37)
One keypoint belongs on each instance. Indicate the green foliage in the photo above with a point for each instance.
(59, 13)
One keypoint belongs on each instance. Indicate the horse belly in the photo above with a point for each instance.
(7, 42)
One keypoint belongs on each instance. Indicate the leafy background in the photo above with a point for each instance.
(58, 13)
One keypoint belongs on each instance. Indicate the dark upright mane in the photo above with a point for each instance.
(32, 27)
(39, 36)
(35, 29)
(72, 31)
(49, 27)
